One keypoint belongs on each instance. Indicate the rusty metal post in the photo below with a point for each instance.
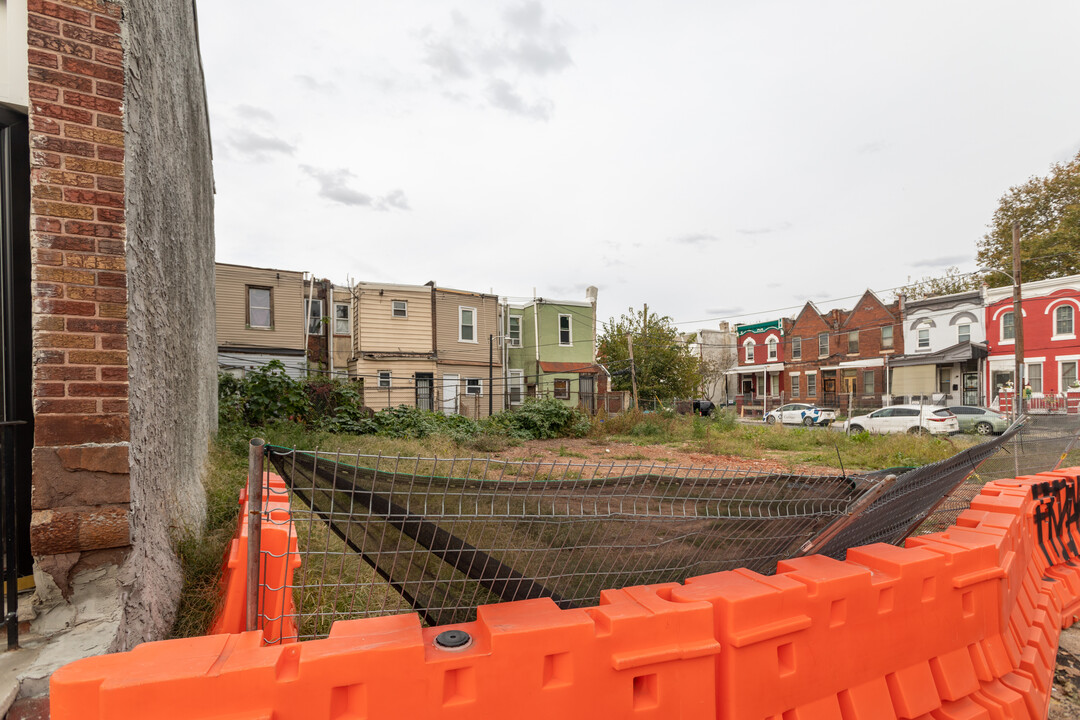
(254, 520)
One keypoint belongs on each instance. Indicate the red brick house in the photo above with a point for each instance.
(866, 337)
(809, 345)
(108, 208)
(760, 368)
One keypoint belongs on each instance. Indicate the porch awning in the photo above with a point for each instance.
(960, 352)
(914, 380)
(755, 369)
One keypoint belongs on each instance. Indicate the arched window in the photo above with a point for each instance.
(771, 344)
(1008, 331)
(749, 346)
(1063, 320)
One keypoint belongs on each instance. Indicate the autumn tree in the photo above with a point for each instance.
(663, 363)
(1048, 211)
(952, 281)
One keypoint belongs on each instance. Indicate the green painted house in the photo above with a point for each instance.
(551, 351)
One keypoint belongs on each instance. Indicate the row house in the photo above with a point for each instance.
(946, 354)
(1051, 350)
(328, 331)
(551, 352)
(469, 363)
(760, 367)
(866, 337)
(259, 317)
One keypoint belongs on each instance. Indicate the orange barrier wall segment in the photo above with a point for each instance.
(278, 544)
(957, 625)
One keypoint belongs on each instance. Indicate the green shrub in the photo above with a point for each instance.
(541, 419)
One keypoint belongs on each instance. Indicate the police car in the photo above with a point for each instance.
(800, 414)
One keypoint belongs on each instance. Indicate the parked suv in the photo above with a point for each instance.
(800, 413)
(906, 418)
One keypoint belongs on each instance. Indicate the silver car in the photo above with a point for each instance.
(979, 420)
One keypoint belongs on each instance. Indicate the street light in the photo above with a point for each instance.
(1018, 321)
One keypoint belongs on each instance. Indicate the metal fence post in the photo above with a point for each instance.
(255, 502)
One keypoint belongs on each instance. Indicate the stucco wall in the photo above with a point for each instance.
(170, 252)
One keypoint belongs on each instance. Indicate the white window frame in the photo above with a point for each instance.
(516, 382)
(748, 351)
(960, 334)
(385, 378)
(854, 334)
(347, 319)
(823, 336)
(1072, 323)
(555, 388)
(404, 309)
(462, 325)
(1027, 376)
(311, 304)
(476, 384)
(569, 330)
(269, 308)
(796, 348)
(919, 337)
(1002, 340)
(793, 382)
(811, 393)
(771, 343)
(514, 341)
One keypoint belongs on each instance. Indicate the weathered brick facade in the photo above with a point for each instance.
(81, 480)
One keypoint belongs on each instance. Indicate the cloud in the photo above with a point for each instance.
(780, 227)
(257, 146)
(946, 261)
(723, 311)
(503, 95)
(869, 148)
(314, 84)
(504, 65)
(334, 186)
(250, 112)
(696, 239)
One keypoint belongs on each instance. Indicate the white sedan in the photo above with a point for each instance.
(906, 418)
(800, 414)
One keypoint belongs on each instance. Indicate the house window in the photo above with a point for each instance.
(384, 378)
(474, 386)
(794, 384)
(771, 345)
(1063, 320)
(565, 337)
(260, 310)
(313, 310)
(811, 384)
(399, 308)
(562, 389)
(868, 382)
(467, 324)
(749, 345)
(963, 333)
(886, 338)
(1068, 374)
(514, 331)
(796, 348)
(1008, 332)
(823, 344)
(1034, 377)
(853, 343)
(924, 338)
(944, 380)
(517, 386)
(341, 318)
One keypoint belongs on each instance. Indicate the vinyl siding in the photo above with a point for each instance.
(450, 348)
(470, 405)
(402, 381)
(342, 343)
(376, 328)
(231, 315)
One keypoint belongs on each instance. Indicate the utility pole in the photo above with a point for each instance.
(1018, 325)
(633, 370)
(491, 374)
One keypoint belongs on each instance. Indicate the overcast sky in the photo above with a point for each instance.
(716, 160)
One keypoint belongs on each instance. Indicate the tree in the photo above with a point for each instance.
(664, 365)
(953, 281)
(1048, 211)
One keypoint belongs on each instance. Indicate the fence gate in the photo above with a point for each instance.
(16, 411)
(587, 392)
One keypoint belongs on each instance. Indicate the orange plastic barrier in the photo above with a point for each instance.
(958, 625)
(278, 545)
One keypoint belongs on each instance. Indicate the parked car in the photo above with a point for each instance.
(979, 419)
(906, 418)
(800, 413)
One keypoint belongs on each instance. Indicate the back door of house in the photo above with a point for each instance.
(587, 392)
(449, 393)
(425, 386)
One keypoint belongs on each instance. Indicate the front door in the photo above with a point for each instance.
(971, 388)
(449, 393)
(425, 386)
(587, 392)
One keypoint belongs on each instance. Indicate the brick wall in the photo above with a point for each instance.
(81, 467)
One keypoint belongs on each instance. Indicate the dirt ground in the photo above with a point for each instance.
(575, 451)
